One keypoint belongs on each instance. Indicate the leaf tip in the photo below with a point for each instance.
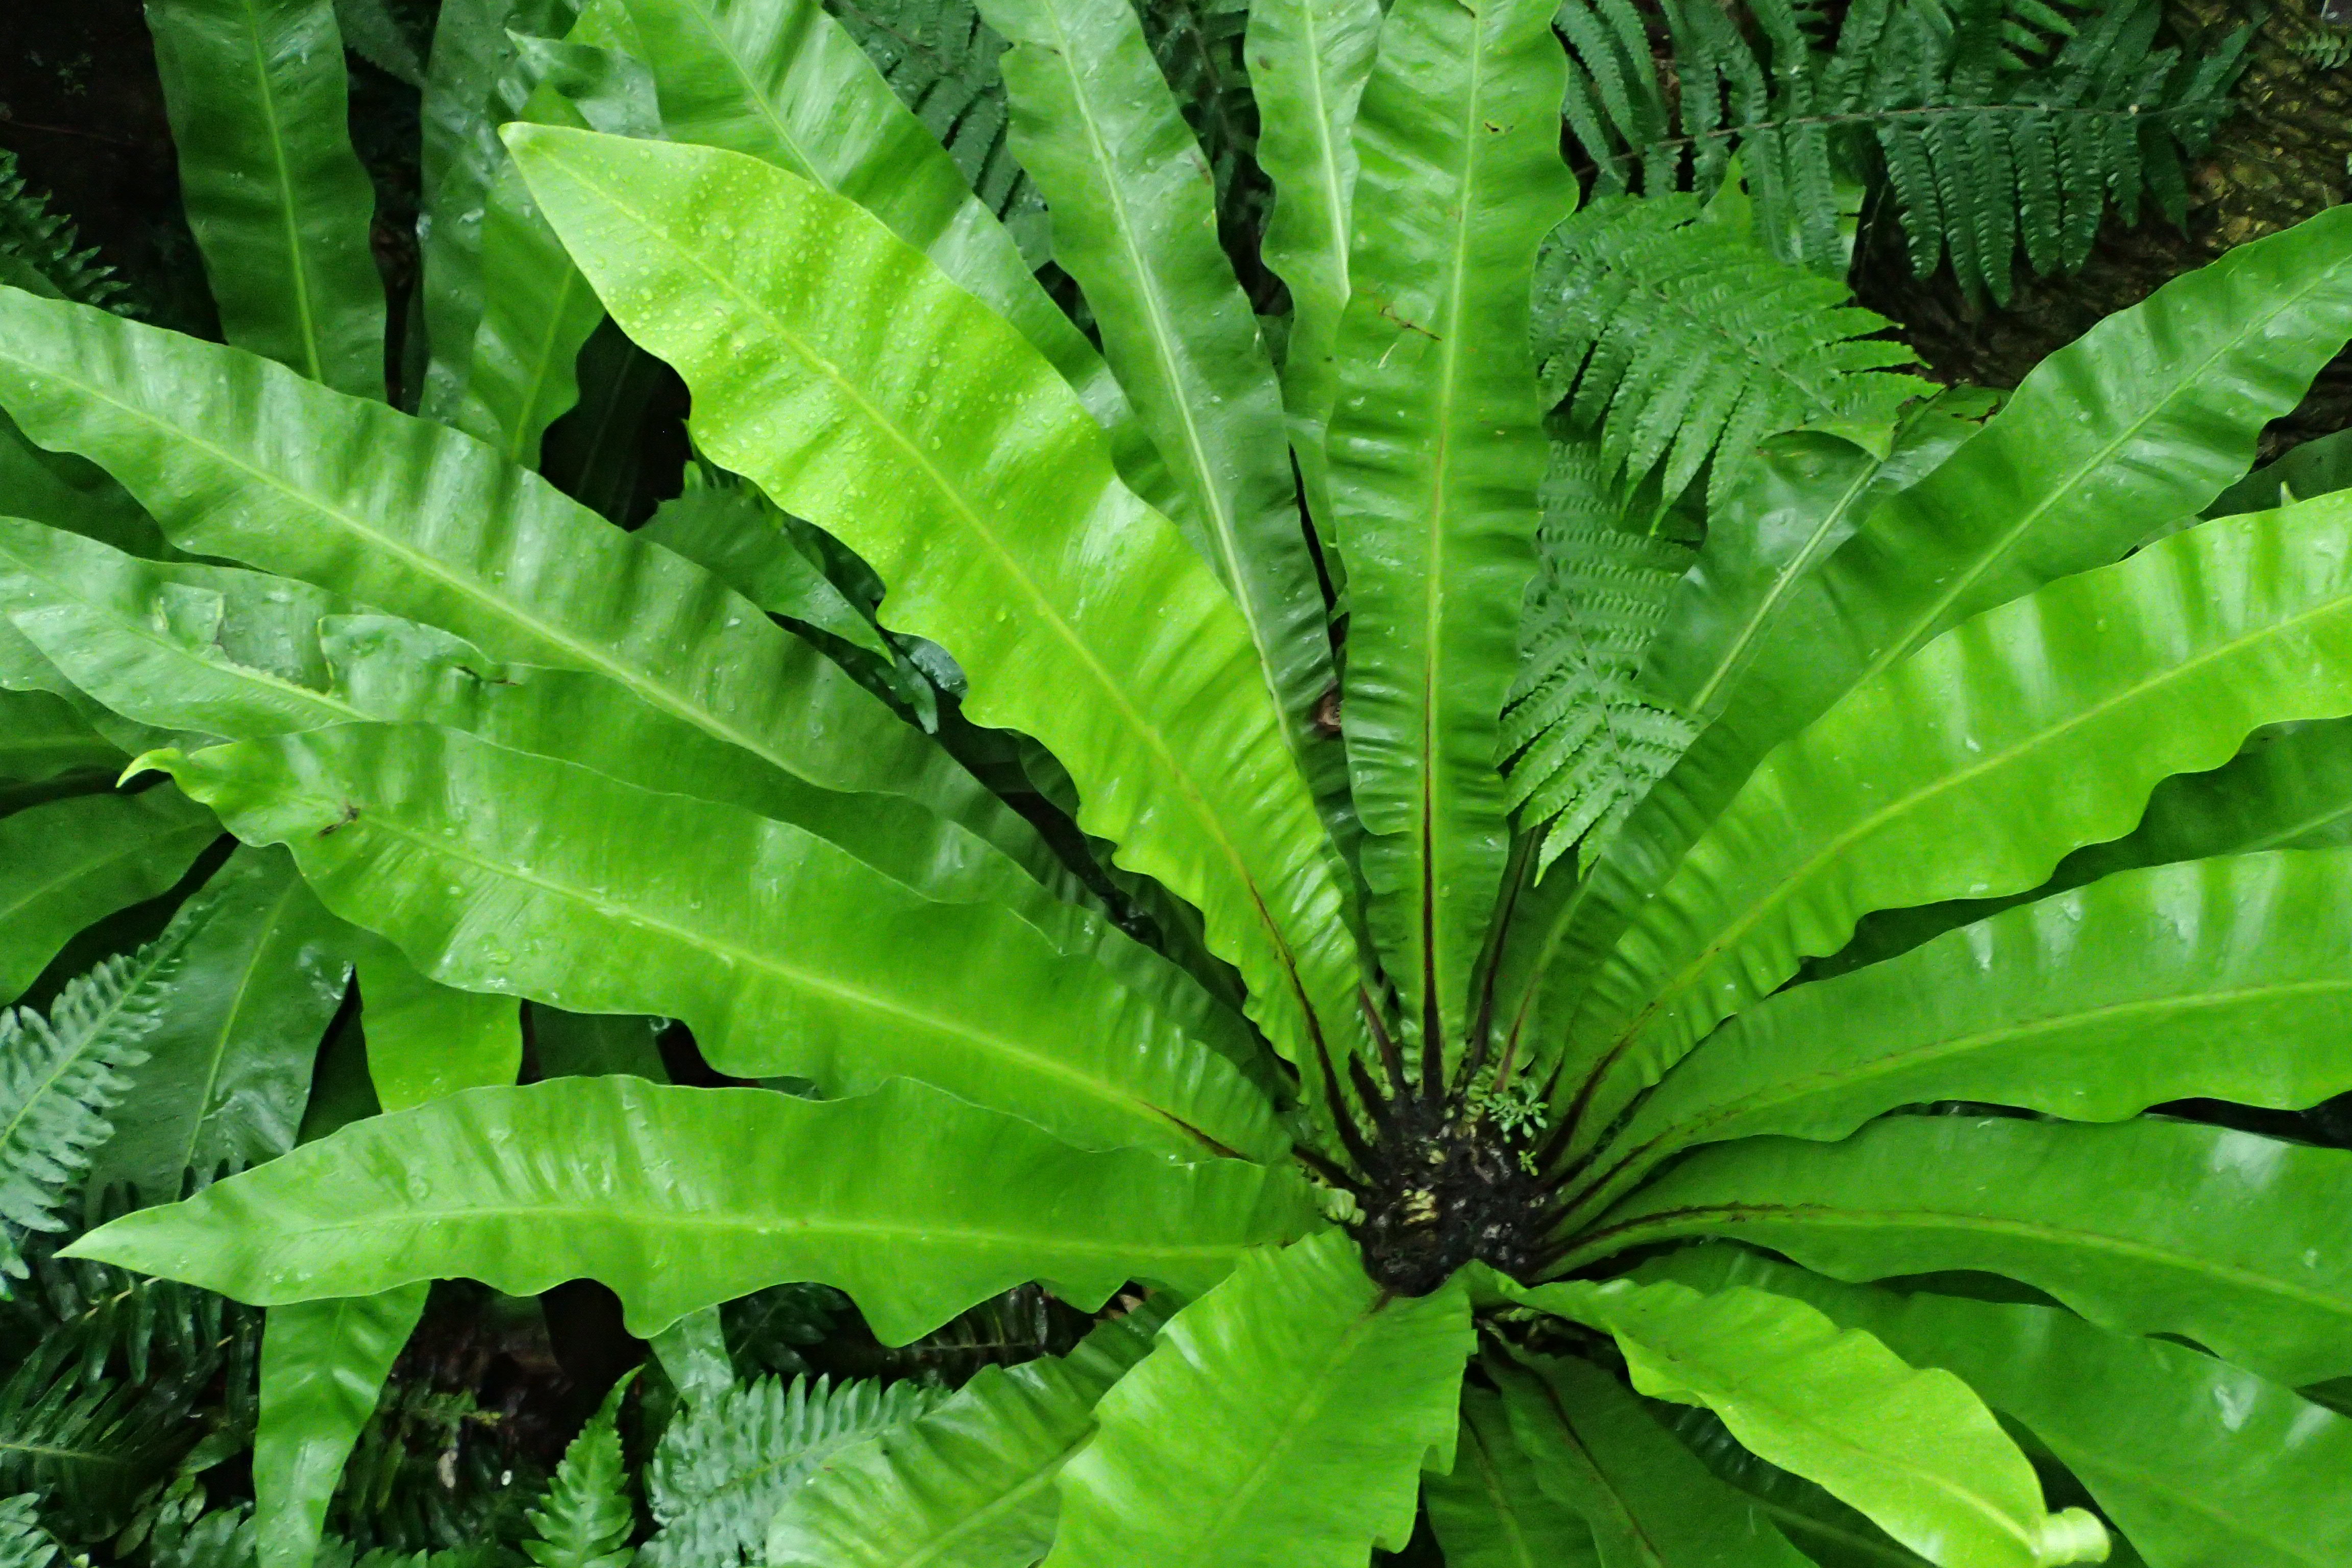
(165, 759)
(2071, 1535)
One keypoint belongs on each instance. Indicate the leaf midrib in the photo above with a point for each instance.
(1697, 1218)
(1160, 1123)
(297, 273)
(1934, 609)
(1204, 816)
(1834, 1082)
(1798, 876)
(585, 655)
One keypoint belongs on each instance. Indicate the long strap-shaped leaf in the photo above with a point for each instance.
(915, 1203)
(1435, 453)
(1646, 1499)
(1135, 223)
(461, 159)
(237, 458)
(1490, 1512)
(859, 388)
(323, 1369)
(2289, 789)
(323, 1362)
(1915, 1450)
(2144, 419)
(2047, 722)
(786, 955)
(41, 737)
(280, 206)
(2198, 1461)
(69, 863)
(1783, 513)
(2225, 978)
(241, 655)
(1327, 1394)
(229, 1068)
(970, 1484)
(2144, 1226)
(168, 644)
(785, 83)
(537, 310)
(1309, 62)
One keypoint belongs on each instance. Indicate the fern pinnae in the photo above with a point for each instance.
(60, 1075)
(724, 1466)
(584, 1519)
(23, 1543)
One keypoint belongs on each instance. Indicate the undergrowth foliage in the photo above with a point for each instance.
(1994, 127)
(1306, 832)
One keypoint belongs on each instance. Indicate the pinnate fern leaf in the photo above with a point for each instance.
(59, 1078)
(23, 1543)
(1679, 339)
(726, 1464)
(1581, 745)
(1997, 125)
(585, 1518)
(44, 245)
(941, 61)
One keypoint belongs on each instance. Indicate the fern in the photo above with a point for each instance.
(1679, 339)
(23, 1543)
(185, 1534)
(724, 1467)
(93, 1453)
(44, 245)
(1581, 747)
(59, 1078)
(1996, 124)
(586, 1519)
(941, 59)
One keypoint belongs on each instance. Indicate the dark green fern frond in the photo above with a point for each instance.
(23, 1543)
(47, 252)
(59, 1078)
(1677, 338)
(1996, 125)
(586, 1519)
(724, 1466)
(941, 59)
(1580, 748)
(93, 1454)
(93, 1323)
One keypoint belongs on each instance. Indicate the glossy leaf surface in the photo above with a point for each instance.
(323, 1369)
(984, 500)
(914, 1203)
(277, 199)
(1135, 223)
(1327, 1394)
(1915, 1450)
(2145, 1226)
(740, 539)
(1647, 1500)
(242, 460)
(1435, 453)
(1970, 768)
(2141, 420)
(2227, 978)
(229, 1069)
(970, 1483)
(1308, 60)
(786, 84)
(68, 863)
(2201, 1463)
(426, 1040)
(41, 736)
(1490, 1511)
(496, 870)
